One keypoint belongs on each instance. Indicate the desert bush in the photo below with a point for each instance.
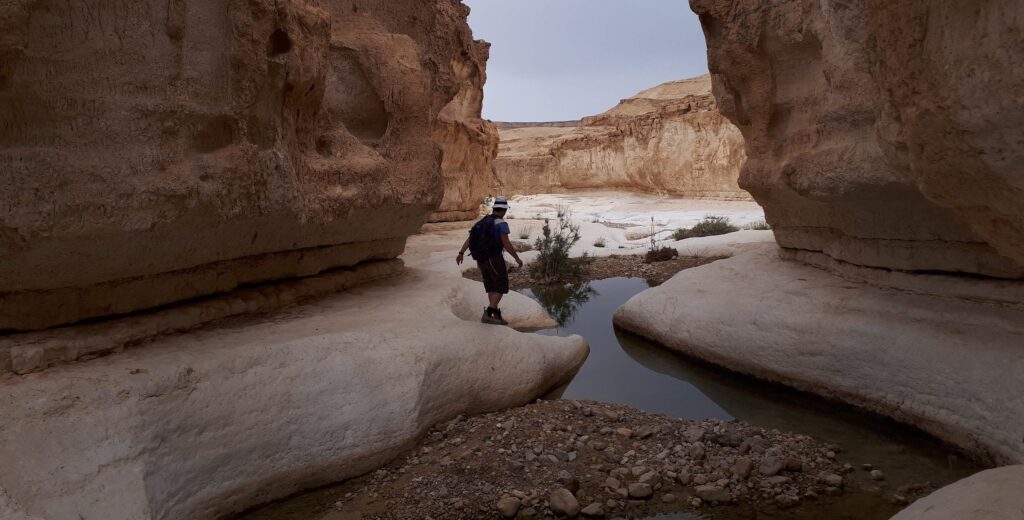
(554, 264)
(711, 225)
(599, 242)
(660, 254)
(758, 225)
(524, 233)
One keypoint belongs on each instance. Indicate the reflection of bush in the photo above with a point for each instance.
(562, 301)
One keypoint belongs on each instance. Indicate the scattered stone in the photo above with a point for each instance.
(669, 498)
(787, 501)
(612, 483)
(794, 464)
(832, 480)
(563, 502)
(713, 494)
(693, 434)
(509, 506)
(742, 468)
(771, 466)
(877, 475)
(625, 432)
(593, 510)
(641, 491)
(867, 467)
(566, 480)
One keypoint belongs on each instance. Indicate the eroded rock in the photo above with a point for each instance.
(667, 139)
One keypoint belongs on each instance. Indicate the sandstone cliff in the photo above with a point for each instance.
(668, 139)
(469, 143)
(882, 134)
(154, 151)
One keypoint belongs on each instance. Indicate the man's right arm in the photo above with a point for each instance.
(462, 252)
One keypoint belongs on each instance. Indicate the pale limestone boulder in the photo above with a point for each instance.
(154, 151)
(881, 134)
(210, 423)
(990, 495)
(668, 139)
(943, 355)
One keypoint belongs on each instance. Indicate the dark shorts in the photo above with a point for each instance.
(495, 275)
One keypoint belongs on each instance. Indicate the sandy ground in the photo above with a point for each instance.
(622, 220)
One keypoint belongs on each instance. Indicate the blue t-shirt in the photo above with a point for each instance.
(501, 228)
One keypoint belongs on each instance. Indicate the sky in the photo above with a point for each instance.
(554, 60)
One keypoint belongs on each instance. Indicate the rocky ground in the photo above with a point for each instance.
(631, 266)
(578, 458)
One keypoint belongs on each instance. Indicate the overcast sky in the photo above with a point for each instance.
(564, 59)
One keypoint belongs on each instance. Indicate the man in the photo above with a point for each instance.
(487, 242)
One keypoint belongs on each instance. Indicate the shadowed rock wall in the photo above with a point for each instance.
(153, 151)
(468, 142)
(667, 139)
(882, 134)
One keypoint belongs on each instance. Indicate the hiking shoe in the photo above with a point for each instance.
(492, 317)
(489, 318)
(497, 314)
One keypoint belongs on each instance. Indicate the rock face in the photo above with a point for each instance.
(468, 142)
(932, 351)
(989, 495)
(880, 134)
(668, 139)
(154, 151)
(207, 424)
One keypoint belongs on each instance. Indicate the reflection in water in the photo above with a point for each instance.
(562, 301)
(626, 369)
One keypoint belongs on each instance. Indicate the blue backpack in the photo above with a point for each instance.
(483, 239)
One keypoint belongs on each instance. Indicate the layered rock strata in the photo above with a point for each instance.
(880, 134)
(669, 139)
(468, 142)
(156, 151)
(205, 425)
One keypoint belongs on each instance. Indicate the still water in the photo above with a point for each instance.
(629, 370)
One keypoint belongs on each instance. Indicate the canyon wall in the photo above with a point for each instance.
(468, 142)
(668, 139)
(155, 151)
(880, 134)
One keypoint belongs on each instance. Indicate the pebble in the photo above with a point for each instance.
(742, 468)
(877, 475)
(832, 480)
(669, 498)
(771, 466)
(641, 491)
(566, 480)
(693, 434)
(712, 494)
(563, 502)
(612, 483)
(625, 432)
(787, 501)
(593, 510)
(509, 506)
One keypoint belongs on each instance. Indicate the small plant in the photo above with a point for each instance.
(660, 254)
(562, 211)
(711, 225)
(554, 264)
(758, 225)
(599, 242)
(524, 233)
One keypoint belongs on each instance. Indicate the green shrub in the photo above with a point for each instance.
(711, 225)
(524, 234)
(660, 254)
(599, 242)
(554, 264)
(758, 225)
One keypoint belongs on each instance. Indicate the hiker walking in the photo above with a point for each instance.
(487, 242)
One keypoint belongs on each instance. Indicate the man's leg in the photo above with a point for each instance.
(494, 298)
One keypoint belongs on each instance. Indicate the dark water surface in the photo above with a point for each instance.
(626, 369)
(629, 370)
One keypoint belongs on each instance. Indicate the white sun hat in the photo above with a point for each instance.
(500, 203)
